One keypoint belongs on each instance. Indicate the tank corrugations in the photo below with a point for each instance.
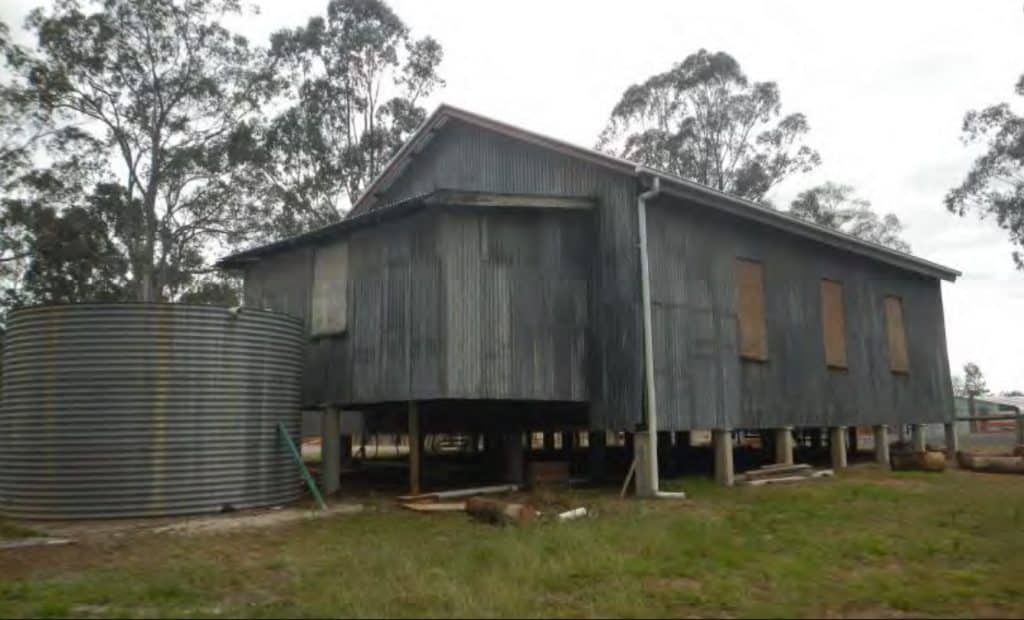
(118, 410)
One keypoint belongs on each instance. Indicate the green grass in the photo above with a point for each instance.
(869, 543)
(12, 530)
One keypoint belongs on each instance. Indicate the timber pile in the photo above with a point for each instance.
(994, 464)
(918, 461)
(781, 474)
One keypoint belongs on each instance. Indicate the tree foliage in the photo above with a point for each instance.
(705, 121)
(974, 380)
(353, 82)
(164, 87)
(837, 206)
(994, 186)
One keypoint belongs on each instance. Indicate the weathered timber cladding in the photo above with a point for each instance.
(701, 380)
(468, 158)
(455, 303)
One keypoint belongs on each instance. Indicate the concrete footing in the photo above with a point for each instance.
(643, 451)
(837, 446)
(882, 444)
(721, 439)
(330, 450)
(917, 437)
(784, 446)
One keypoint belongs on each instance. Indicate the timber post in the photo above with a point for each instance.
(330, 450)
(952, 441)
(513, 457)
(597, 443)
(415, 448)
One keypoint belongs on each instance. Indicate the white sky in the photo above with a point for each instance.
(884, 86)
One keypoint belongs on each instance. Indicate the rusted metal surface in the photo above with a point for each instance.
(113, 410)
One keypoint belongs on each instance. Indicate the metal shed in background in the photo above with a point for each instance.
(147, 409)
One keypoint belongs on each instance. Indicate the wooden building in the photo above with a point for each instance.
(494, 279)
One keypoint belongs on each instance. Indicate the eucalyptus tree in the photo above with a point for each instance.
(994, 186)
(837, 206)
(165, 89)
(705, 121)
(354, 81)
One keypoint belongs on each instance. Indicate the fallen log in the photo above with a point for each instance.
(917, 461)
(500, 513)
(994, 464)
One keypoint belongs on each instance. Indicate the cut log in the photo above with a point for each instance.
(994, 464)
(918, 461)
(499, 512)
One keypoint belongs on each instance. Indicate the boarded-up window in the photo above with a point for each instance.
(330, 289)
(898, 359)
(750, 310)
(833, 323)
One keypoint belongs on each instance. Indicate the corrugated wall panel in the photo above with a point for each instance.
(468, 158)
(703, 384)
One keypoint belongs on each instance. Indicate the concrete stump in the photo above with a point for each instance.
(784, 446)
(837, 446)
(721, 439)
(882, 444)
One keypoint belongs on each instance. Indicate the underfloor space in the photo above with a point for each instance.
(382, 467)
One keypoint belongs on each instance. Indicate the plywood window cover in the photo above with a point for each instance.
(329, 313)
(896, 335)
(833, 323)
(750, 310)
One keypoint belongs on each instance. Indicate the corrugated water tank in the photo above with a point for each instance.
(117, 410)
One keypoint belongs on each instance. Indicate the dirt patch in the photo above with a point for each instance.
(672, 584)
(898, 483)
(221, 524)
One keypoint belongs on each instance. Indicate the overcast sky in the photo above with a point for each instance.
(884, 86)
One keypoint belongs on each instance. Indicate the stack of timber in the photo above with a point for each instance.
(918, 461)
(782, 474)
(438, 496)
(991, 463)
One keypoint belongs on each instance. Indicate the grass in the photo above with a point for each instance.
(870, 543)
(10, 530)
